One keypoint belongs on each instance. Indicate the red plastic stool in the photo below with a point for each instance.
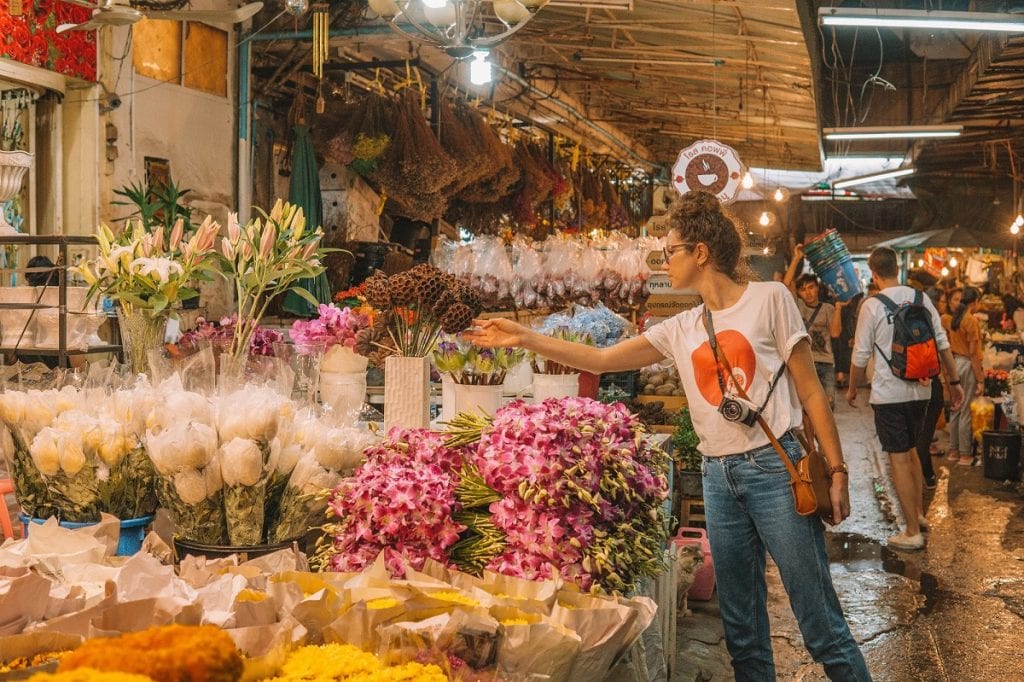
(704, 582)
(6, 487)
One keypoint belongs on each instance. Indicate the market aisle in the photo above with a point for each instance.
(953, 612)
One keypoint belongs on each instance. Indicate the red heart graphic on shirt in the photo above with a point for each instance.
(741, 357)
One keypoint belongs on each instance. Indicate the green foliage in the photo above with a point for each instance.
(685, 441)
(158, 206)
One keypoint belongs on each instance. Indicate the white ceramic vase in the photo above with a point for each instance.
(406, 392)
(555, 386)
(13, 166)
(481, 400)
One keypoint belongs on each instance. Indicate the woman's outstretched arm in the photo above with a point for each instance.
(630, 354)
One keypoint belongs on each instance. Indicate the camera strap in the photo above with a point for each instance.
(721, 363)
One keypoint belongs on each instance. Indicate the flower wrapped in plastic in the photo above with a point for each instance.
(336, 328)
(243, 465)
(189, 482)
(336, 453)
(29, 486)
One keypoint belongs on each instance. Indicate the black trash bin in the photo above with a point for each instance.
(1000, 452)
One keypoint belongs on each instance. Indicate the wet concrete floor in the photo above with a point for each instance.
(953, 612)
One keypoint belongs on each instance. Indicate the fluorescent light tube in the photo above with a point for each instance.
(594, 4)
(892, 132)
(926, 19)
(695, 61)
(874, 177)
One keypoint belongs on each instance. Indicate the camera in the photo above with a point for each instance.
(735, 409)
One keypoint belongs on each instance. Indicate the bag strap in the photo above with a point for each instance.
(814, 315)
(720, 358)
(891, 308)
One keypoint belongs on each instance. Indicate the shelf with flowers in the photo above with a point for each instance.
(472, 378)
(415, 307)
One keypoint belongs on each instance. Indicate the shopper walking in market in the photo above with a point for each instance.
(899, 404)
(747, 494)
(964, 333)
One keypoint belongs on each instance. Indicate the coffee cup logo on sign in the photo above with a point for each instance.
(710, 166)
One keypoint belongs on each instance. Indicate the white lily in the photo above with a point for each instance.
(162, 268)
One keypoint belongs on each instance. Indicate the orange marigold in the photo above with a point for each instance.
(173, 653)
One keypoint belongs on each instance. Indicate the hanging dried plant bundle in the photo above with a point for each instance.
(461, 138)
(617, 217)
(501, 182)
(595, 211)
(357, 134)
(422, 207)
(415, 164)
(478, 218)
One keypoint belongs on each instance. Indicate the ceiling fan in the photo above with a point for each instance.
(121, 13)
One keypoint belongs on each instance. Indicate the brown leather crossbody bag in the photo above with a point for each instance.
(809, 478)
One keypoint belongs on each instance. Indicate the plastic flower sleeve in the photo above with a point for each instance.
(243, 469)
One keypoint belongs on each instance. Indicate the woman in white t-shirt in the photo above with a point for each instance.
(747, 494)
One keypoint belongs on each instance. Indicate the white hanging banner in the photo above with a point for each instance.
(710, 166)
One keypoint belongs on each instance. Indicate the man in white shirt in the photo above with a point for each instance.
(899, 405)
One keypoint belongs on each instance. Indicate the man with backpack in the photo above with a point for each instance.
(902, 329)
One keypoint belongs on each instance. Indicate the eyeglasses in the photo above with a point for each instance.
(670, 251)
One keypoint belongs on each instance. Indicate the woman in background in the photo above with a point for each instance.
(964, 334)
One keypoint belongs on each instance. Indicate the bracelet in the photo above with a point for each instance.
(954, 383)
(838, 469)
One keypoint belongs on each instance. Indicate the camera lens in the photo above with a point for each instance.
(732, 410)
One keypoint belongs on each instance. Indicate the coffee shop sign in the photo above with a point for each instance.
(710, 166)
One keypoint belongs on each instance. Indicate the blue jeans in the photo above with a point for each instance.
(748, 503)
(826, 372)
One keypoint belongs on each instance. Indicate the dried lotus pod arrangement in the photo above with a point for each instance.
(417, 305)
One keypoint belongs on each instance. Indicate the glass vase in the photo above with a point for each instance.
(140, 332)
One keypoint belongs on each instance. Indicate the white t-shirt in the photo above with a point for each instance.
(756, 334)
(874, 328)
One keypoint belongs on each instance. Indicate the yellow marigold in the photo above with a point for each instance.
(456, 597)
(410, 672)
(515, 621)
(22, 662)
(251, 596)
(382, 603)
(88, 675)
(173, 653)
(327, 662)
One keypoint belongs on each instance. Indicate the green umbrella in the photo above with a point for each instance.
(304, 191)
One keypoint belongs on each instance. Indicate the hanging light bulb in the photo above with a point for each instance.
(945, 272)
(1015, 229)
(1019, 222)
(747, 181)
(480, 68)
(439, 13)
(920, 262)
(953, 262)
(764, 219)
(779, 196)
(510, 12)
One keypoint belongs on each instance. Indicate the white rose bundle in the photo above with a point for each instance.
(251, 413)
(304, 499)
(71, 479)
(243, 467)
(189, 481)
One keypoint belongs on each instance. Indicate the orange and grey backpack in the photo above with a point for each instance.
(914, 354)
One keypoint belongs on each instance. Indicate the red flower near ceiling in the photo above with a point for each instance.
(33, 39)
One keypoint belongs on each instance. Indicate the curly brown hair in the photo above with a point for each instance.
(697, 217)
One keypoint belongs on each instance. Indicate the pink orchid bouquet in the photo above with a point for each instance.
(400, 501)
(567, 488)
(221, 333)
(333, 326)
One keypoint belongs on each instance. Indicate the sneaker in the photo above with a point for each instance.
(966, 461)
(952, 456)
(930, 482)
(906, 542)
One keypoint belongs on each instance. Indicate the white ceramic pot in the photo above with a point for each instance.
(555, 386)
(13, 166)
(344, 392)
(406, 392)
(482, 400)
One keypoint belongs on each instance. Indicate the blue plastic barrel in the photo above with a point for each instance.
(841, 279)
(133, 531)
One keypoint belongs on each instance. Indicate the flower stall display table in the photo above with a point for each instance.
(61, 350)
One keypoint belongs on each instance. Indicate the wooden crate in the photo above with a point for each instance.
(673, 403)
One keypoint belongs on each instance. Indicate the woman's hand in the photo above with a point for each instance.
(839, 492)
(496, 333)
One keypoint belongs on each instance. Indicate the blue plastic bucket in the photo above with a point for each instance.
(129, 542)
(841, 278)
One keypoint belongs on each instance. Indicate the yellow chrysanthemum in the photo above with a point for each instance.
(88, 675)
(382, 603)
(455, 597)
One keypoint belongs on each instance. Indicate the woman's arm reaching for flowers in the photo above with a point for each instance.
(501, 333)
